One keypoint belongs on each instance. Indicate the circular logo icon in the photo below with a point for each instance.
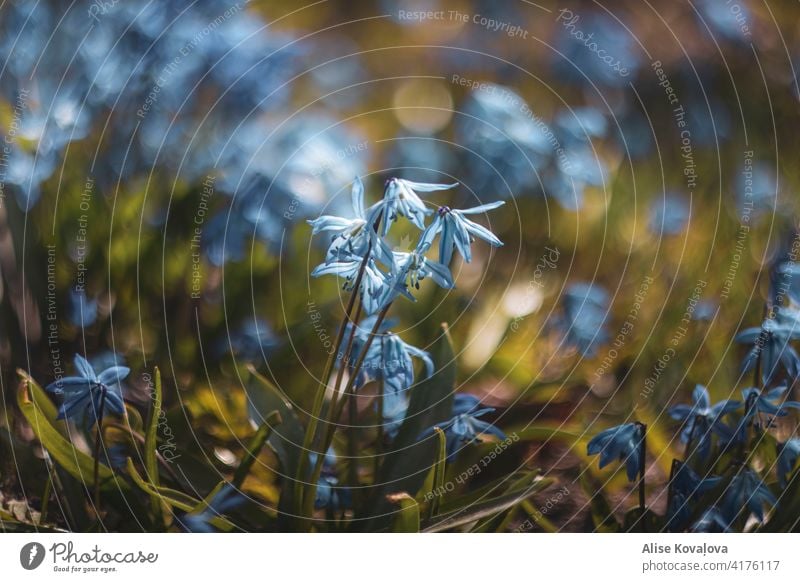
(31, 555)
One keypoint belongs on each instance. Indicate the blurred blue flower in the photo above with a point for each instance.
(465, 427)
(458, 232)
(746, 490)
(788, 453)
(619, 443)
(90, 395)
(82, 312)
(701, 419)
(252, 339)
(726, 18)
(580, 42)
(758, 189)
(227, 499)
(505, 143)
(581, 124)
(771, 344)
(668, 215)
(583, 322)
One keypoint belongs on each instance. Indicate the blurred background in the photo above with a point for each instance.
(160, 160)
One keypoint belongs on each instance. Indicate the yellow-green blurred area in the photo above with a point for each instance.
(671, 186)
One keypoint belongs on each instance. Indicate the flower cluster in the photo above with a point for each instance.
(730, 472)
(359, 252)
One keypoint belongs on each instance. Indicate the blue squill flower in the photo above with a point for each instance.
(771, 343)
(401, 199)
(711, 521)
(85, 394)
(330, 495)
(353, 236)
(701, 419)
(82, 310)
(458, 232)
(227, 499)
(465, 427)
(619, 443)
(389, 358)
(374, 281)
(788, 454)
(685, 488)
(252, 340)
(583, 321)
(769, 403)
(668, 215)
(746, 491)
(581, 124)
(395, 407)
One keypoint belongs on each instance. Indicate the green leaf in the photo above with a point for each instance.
(486, 509)
(41, 415)
(285, 439)
(602, 516)
(151, 444)
(254, 448)
(406, 520)
(151, 435)
(438, 472)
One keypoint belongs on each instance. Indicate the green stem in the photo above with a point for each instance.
(642, 460)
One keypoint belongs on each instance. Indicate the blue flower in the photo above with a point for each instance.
(621, 443)
(457, 232)
(581, 124)
(82, 310)
(788, 454)
(353, 236)
(409, 270)
(227, 499)
(251, 340)
(86, 394)
(395, 407)
(712, 520)
(330, 495)
(465, 427)
(506, 143)
(759, 402)
(374, 281)
(401, 199)
(701, 419)
(771, 344)
(686, 487)
(746, 490)
(388, 358)
(583, 322)
(668, 215)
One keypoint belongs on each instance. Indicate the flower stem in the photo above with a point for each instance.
(97, 440)
(319, 398)
(642, 460)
